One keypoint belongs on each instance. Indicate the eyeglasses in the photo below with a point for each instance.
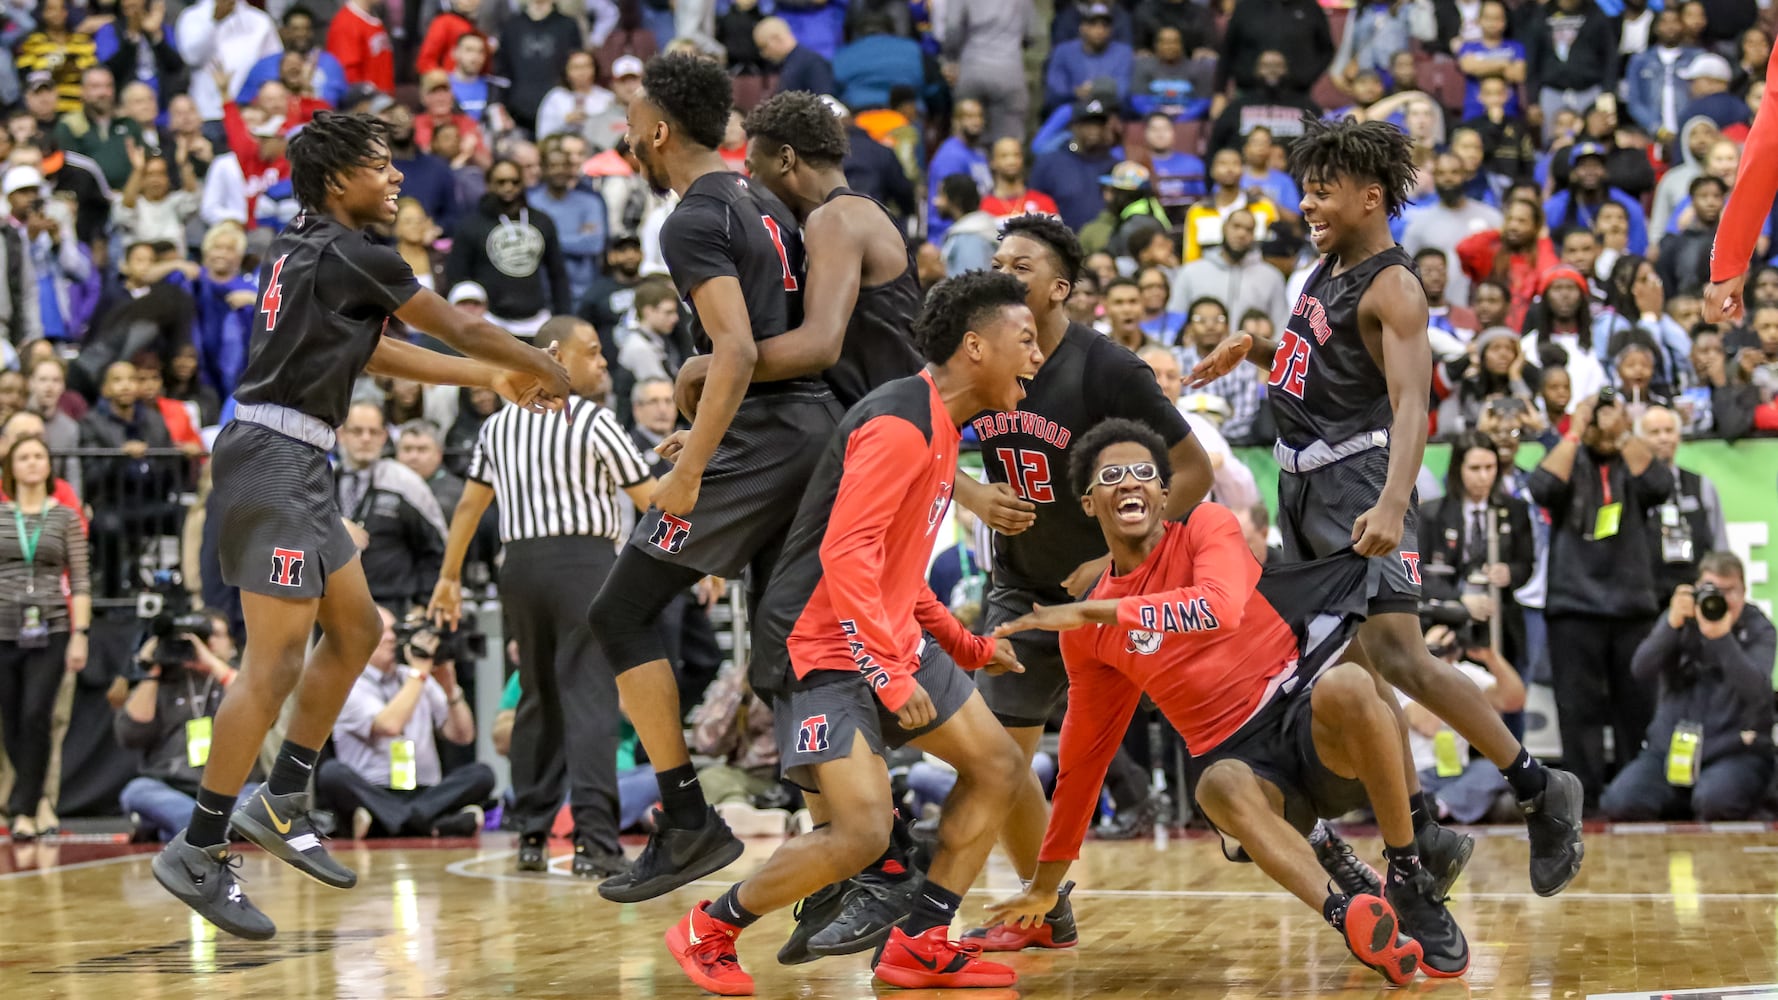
(1111, 475)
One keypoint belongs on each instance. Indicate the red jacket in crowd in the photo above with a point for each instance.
(439, 50)
(361, 44)
(1479, 255)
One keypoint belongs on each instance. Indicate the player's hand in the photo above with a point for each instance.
(676, 492)
(446, 606)
(1004, 660)
(1377, 532)
(918, 710)
(1722, 299)
(360, 537)
(1085, 575)
(1226, 358)
(688, 387)
(1051, 618)
(528, 391)
(1004, 510)
(1026, 910)
(672, 445)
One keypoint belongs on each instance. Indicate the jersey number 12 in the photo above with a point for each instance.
(1290, 366)
(1029, 473)
(777, 236)
(273, 299)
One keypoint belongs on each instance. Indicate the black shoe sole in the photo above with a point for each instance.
(856, 945)
(1580, 851)
(660, 885)
(173, 881)
(268, 840)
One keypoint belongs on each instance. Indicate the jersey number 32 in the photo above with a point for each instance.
(1290, 365)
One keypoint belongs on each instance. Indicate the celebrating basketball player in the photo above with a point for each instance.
(1348, 389)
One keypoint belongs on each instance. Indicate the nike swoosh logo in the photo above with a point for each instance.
(931, 966)
(693, 939)
(687, 783)
(282, 825)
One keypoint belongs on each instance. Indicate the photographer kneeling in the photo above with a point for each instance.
(386, 772)
(1709, 754)
(179, 682)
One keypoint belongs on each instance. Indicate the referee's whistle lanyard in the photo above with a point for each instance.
(1605, 485)
(28, 545)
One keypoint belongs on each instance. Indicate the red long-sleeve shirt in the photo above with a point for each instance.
(1477, 254)
(439, 50)
(1750, 200)
(361, 44)
(1193, 633)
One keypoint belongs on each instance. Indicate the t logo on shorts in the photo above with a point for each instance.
(811, 736)
(1410, 561)
(287, 567)
(670, 534)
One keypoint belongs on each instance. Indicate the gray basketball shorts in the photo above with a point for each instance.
(279, 521)
(1031, 698)
(1316, 511)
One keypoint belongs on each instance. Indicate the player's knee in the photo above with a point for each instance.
(860, 836)
(1345, 692)
(624, 628)
(1221, 788)
(1401, 658)
(358, 634)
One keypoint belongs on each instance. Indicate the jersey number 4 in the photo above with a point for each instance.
(1290, 366)
(777, 236)
(1029, 472)
(273, 299)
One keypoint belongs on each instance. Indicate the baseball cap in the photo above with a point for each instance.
(1126, 176)
(21, 179)
(1094, 11)
(833, 104)
(1093, 108)
(361, 93)
(434, 80)
(626, 66)
(39, 79)
(271, 128)
(1707, 66)
(1585, 149)
(468, 291)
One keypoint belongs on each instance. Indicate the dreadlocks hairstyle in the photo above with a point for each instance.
(1373, 151)
(957, 305)
(1052, 233)
(802, 121)
(330, 145)
(1084, 457)
(693, 93)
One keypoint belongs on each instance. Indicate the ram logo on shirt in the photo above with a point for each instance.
(1179, 616)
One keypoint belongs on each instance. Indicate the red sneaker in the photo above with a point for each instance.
(1374, 936)
(705, 948)
(932, 959)
(1057, 930)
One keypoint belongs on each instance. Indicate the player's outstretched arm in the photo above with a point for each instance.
(1744, 215)
(397, 358)
(428, 312)
(1397, 304)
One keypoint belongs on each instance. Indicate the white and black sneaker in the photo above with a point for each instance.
(205, 880)
(284, 827)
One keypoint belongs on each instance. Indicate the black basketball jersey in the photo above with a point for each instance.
(727, 226)
(1325, 385)
(326, 293)
(1088, 379)
(879, 345)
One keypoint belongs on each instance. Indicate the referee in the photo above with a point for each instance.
(561, 484)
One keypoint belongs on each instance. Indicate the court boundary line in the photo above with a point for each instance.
(75, 865)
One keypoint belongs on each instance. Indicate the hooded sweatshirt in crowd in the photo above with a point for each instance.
(513, 252)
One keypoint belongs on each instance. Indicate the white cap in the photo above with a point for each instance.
(626, 66)
(1707, 66)
(468, 291)
(833, 104)
(21, 179)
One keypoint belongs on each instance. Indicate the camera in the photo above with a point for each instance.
(1608, 396)
(166, 607)
(1712, 605)
(464, 645)
(1466, 632)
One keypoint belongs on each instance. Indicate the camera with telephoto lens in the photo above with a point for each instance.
(1713, 606)
(1466, 632)
(165, 605)
(462, 646)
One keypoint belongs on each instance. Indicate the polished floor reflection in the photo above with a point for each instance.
(1654, 912)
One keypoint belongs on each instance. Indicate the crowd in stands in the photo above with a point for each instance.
(1574, 158)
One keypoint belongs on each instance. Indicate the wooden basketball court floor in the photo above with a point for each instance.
(1657, 911)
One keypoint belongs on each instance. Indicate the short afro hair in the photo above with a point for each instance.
(957, 305)
(1052, 233)
(805, 123)
(1084, 456)
(693, 94)
(1375, 151)
(329, 146)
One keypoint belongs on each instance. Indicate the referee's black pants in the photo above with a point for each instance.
(1590, 670)
(567, 721)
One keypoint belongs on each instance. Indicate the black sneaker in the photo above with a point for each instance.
(1443, 853)
(533, 854)
(873, 906)
(674, 858)
(1444, 954)
(206, 882)
(592, 861)
(1133, 823)
(813, 913)
(1352, 876)
(284, 827)
(1553, 819)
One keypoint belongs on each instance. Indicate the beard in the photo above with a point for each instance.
(1450, 195)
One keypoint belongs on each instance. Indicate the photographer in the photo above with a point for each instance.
(1465, 788)
(167, 717)
(1689, 522)
(1709, 752)
(386, 772)
(1598, 484)
(1454, 559)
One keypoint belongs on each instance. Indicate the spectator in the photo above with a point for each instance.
(1258, 26)
(67, 285)
(877, 168)
(734, 32)
(970, 234)
(651, 350)
(609, 301)
(228, 34)
(1131, 213)
(38, 121)
(225, 299)
(438, 106)
(1493, 366)
(1753, 50)
(1709, 750)
(1194, 24)
(1698, 146)
(357, 38)
(1685, 255)
(95, 130)
(506, 249)
(42, 635)
(1081, 68)
(1273, 101)
(983, 61)
(1261, 179)
(395, 519)
(132, 495)
(1452, 219)
(20, 306)
(1159, 322)
(143, 310)
(1517, 255)
(1627, 166)
(653, 416)
(1083, 300)
(44, 388)
(1709, 75)
(961, 154)
(1232, 484)
(425, 178)
(1570, 60)
(1456, 566)
(1239, 390)
(573, 105)
(532, 54)
(1654, 88)
(420, 447)
(184, 384)
(1071, 175)
(1579, 249)
(470, 84)
(1009, 195)
(1233, 273)
(314, 73)
(135, 47)
(1634, 291)
(1123, 310)
(1167, 81)
(1597, 485)
(1717, 399)
(579, 217)
(1178, 177)
(1562, 317)
(1457, 324)
(416, 236)
(1508, 145)
(168, 718)
(799, 67)
(605, 128)
(60, 50)
(1491, 55)
(1205, 222)
(1377, 31)
(1463, 790)
(149, 209)
(1686, 524)
(876, 62)
(386, 773)
(438, 51)
(1587, 190)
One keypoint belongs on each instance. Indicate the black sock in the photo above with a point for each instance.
(292, 771)
(1526, 776)
(1421, 809)
(895, 859)
(729, 910)
(209, 821)
(1404, 862)
(682, 797)
(1333, 910)
(934, 906)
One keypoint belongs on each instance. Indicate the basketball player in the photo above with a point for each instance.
(325, 298)
(849, 602)
(1240, 665)
(1743, 217)
(1348, 389)
(736, 256)
(1085, 378)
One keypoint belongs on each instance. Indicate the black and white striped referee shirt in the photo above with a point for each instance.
(555, 476)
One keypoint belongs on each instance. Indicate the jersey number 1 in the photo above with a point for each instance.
(777, 236)
(273, 299)
(1029, 472)
(1290, 366)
